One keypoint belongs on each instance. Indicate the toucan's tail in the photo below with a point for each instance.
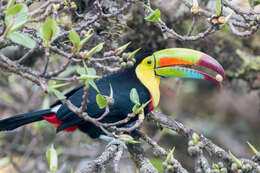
(23, 119)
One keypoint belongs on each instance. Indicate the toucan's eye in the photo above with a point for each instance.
(149, 62)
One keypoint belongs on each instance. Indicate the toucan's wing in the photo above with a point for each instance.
(70, 93)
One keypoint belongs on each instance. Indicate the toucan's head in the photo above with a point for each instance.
(174, 62)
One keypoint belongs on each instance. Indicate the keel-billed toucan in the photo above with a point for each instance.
(145, 76)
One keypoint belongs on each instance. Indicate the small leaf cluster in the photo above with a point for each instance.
(154, 15)
(103, 101)
(138, 107)
(53, 89)
(77, 43)
(89, 75)
(16, 16)
(127, 59)
(48, 31)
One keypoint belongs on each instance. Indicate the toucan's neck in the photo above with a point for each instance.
(150, 81)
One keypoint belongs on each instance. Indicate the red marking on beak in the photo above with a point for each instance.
(211, 63)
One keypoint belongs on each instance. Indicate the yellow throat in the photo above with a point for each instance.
(146, 75)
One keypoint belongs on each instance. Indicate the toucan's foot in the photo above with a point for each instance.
(112, 140)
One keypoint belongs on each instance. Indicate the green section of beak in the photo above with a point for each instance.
(189, 55)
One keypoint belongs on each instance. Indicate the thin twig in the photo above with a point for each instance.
(192, 25)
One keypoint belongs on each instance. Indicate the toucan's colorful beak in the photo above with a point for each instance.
(173, 62)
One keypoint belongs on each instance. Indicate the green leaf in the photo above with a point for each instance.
(49, 30)
(121, 49)
(141, 116)
(57, 93)
(93, 84)
(134, 97)
(235, 160)
(135, 109)
(69, 71)
(148, 8)
(85, 67)
(81, 71)
(195, 138)
(91, 71)
(21, 39)
(128, 139)
(94, 50)
(16, 17)
(74, 38)
(58, 85)
(86, 76)
(101, 101)
(52, 158)
(218, 7)
(170, 156)
(215, 166)
(144, 105)
(154, 16)
(88, 72)
(111, 91)
(157, 163)
(256, 2)
(89, 35)
(132, 54)
(10, 4)
(253, 149)
(5, 162)
(65, 2)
